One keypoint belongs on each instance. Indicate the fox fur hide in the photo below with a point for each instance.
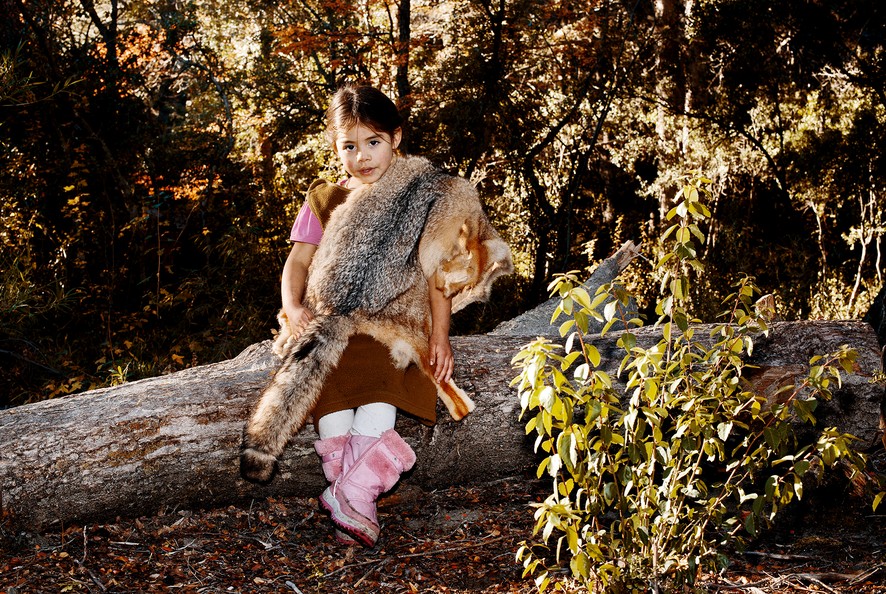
(370, 275)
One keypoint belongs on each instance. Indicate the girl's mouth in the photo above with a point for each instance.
(367, 172)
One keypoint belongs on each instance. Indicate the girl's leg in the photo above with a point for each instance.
(374, 419)
(335, 432)
(337, 423)
(373, 461)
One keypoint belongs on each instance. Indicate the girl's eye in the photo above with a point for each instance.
(349, 147)
(374, 142)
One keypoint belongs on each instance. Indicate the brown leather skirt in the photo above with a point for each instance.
(366, 374)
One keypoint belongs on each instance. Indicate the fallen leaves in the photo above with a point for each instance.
(454, 541)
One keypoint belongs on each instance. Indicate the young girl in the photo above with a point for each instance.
(406, 240)
(365, 130)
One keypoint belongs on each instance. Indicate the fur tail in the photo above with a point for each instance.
(286, 403)
(457, 402)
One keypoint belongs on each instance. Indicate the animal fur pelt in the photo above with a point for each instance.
(370, 275)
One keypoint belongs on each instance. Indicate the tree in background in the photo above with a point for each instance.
(135, 208)
(154, 154)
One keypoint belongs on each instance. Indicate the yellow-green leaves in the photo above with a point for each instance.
(654, 471)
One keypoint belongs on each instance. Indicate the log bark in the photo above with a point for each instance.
(172, 441)
(537, 321)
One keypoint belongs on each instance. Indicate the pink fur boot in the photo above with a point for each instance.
(371, 466)
(331, 451)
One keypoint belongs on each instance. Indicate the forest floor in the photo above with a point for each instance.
(458, 540)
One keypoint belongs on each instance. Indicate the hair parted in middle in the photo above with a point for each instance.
(361, 104)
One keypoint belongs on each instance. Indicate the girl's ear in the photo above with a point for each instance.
(398, 136)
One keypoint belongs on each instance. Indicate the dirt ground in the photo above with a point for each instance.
(459, 540)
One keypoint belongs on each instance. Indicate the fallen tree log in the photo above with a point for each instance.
(172, 441)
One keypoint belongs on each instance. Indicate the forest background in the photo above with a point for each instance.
(153, 155)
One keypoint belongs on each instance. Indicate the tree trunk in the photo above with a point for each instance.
(876, 315)
(404, 42)
(172, 441)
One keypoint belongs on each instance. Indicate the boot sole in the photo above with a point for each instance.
(343, 538)
(354, 526)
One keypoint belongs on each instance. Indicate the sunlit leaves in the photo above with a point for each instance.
(680, 458)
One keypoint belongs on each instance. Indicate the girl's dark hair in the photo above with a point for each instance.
(361, 104)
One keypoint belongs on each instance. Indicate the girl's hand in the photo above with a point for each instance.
(299, 317)
(441, 358)
(292, 286)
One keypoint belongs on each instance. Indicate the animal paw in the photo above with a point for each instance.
(256, 466)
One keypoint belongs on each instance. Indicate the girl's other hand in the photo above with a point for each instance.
(441, 358)
(299, 317)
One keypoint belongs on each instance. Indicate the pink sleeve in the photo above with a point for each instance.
(307, 227)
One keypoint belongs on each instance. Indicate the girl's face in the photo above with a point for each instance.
(365, 153)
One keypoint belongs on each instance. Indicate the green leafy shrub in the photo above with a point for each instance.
(656, 480)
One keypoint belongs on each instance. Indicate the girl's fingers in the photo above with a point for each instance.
(443, 372)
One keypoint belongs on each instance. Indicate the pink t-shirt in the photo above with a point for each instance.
(307, 228)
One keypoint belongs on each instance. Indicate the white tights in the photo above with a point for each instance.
(370, 420)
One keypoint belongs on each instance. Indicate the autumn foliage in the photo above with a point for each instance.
(154, 153)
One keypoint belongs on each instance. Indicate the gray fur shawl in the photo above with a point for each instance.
(371, 255)
(370, 274)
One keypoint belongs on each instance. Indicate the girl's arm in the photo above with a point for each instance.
(292, 286)
(440, 350)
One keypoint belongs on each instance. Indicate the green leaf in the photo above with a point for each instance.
(580, 565)
(771, 487)
(801, 467)
(598, 300)
(804, 409)
(593, 355)
(627, 341)
(569, 359)
(567, 305)
(581, 320)
(565, 327)
(609, 310)
(593, 411)
(750, 524)
(610, 492)
(546, 397)
(542, 467)
(581, 297)
(723, 430)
